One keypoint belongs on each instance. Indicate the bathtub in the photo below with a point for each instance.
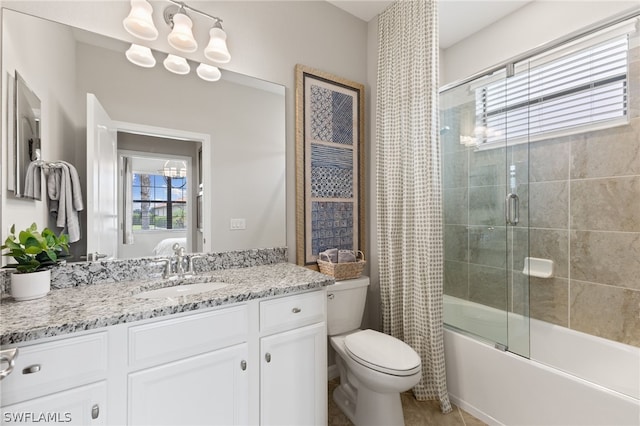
(571, 378)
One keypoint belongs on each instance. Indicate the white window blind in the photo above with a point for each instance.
(570, 92)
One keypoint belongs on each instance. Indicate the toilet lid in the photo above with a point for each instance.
(382, 352)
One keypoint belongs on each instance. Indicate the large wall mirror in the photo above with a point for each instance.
(230, 132)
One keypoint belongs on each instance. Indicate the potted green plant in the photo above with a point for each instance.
(34, 253)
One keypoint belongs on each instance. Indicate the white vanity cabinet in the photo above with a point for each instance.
(293, 349)
(58, 382)
(258, 362)
(190, 370)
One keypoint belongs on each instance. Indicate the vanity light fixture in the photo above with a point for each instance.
(176, 64)
(140, 24)
(181, 37)
(217, 50)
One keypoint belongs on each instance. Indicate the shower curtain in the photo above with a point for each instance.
(409, 199)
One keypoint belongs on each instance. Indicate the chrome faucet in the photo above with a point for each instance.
(166, 271)
(179, 254)
(190, 267)
(180, 259)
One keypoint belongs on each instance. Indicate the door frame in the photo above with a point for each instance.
(182, 136)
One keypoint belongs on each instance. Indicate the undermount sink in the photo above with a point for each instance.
(181, 290)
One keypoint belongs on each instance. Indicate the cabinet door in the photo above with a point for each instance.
(85, 405)
(293, 385)
(207, 389)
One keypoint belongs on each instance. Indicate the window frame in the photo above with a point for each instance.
(522, 70)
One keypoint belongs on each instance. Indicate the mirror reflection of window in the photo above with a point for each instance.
(156, 203)
(159, 201)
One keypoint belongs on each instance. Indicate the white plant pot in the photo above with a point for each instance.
(30, 286)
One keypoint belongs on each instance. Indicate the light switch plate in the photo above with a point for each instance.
(238, 224)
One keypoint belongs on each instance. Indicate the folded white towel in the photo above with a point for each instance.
(329, 255)
(76, 189)
(33, 181)
(63, 188)
(53, 190)
(345, 256)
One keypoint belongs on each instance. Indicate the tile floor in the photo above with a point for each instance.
(416, 413)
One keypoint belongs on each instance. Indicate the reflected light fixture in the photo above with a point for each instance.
(139, 22)
(208, 72)
(176, 64)
(174, 169)
(141, 56)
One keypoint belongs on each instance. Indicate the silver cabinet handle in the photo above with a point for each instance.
(95, 411)
(267, 356)
(296, 310)
(9, 356)
(512, 209)
(31, 369)
(243, 365)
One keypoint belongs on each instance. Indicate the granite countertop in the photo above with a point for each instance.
(74, 309)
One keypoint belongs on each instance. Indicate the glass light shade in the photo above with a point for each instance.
(181, 37)
(208, 72)
(176, 64)
(174, 169)
(139, 22)
(217, 50)
(141, 56)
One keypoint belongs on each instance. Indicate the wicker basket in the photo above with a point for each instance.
(343, 271)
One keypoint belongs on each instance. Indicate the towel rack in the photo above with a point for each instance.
(48, 164)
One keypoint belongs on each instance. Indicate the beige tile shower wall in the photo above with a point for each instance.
(584, 213)
(580, 207)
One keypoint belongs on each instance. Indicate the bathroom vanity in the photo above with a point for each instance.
(250, 352)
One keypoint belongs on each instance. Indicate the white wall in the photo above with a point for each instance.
(535, 24)
(266, 39)
(53, 49)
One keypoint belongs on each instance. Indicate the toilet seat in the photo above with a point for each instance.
(382, 353)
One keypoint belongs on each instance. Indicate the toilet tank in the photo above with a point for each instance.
(345, 305)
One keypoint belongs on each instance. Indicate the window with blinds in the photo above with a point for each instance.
(578, 91)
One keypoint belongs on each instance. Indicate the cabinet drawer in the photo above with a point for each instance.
(50, 367)
(169, 340)
(292, 311)
(85, 405)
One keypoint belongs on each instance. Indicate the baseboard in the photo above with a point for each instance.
(332, 372)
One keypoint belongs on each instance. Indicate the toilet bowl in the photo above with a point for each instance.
(374, 367)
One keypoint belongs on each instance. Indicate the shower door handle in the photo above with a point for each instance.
(512, 209)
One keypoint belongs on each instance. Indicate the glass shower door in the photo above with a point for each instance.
(484, 188)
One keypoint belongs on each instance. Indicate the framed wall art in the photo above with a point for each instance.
(329, 164)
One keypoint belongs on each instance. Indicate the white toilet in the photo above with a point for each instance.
(374, 367)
